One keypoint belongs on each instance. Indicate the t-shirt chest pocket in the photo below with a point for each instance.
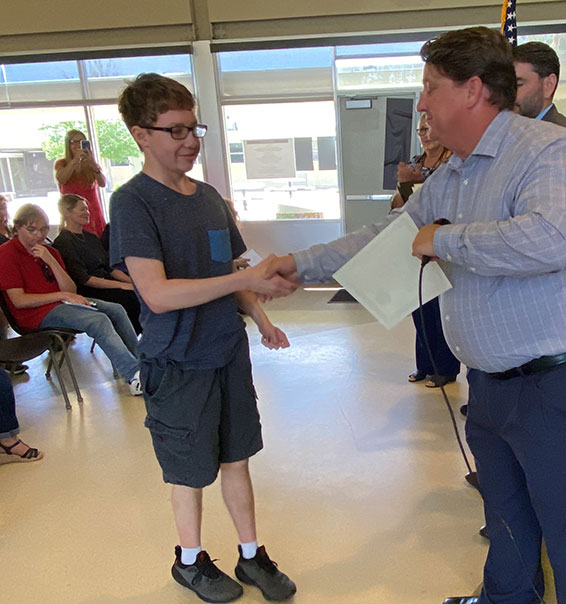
(220, 246)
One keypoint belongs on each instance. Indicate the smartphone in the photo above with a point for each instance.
(85, 145)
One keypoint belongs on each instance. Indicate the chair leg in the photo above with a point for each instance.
(67, 358)
(48, 372)
(55, 364)
(58, 346)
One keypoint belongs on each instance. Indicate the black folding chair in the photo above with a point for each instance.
(33, 342)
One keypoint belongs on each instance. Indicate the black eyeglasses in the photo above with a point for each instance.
(422, 130)
(180, 133)
(46, 270)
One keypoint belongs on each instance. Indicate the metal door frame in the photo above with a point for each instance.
(365, 94)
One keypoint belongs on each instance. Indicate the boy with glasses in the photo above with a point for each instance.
(178, 239)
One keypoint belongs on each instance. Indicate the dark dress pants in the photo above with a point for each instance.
(516, 430)
(446, 362)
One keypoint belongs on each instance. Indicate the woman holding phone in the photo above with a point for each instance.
(78, 173)
(428, 325)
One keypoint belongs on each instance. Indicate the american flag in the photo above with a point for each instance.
(509, 21)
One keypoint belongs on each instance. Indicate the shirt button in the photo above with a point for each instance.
(448, 257)
(472, 269)
(457, 349)
(465, 181)
(460, 215)
(447, 317)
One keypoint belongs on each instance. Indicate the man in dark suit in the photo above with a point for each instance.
(538, 71)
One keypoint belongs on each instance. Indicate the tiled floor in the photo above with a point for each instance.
(360, 489)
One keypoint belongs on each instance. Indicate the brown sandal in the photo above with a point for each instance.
(417, 376)
(436, 381)
(30, 455)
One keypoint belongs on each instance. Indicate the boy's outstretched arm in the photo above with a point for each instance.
(163, 295)
(271, 337)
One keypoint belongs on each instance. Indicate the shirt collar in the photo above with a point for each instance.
(19, 247)
(544, 112)
(490, 141)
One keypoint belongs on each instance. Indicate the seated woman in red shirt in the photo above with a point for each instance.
(78, 173)
(40, 293)
(5, 235)
(87, 261)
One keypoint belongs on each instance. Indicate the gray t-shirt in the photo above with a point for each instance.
(195, 237)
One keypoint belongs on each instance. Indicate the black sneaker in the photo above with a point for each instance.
(205, 579)
(263, 573)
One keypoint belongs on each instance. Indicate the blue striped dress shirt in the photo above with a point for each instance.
(505, 251)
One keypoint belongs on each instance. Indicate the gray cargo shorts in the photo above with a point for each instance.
(200, 418)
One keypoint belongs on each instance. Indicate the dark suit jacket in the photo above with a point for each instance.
(553, 116)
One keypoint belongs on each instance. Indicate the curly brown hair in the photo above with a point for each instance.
(148, 96)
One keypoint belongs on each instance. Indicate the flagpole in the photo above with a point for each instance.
(503, 16)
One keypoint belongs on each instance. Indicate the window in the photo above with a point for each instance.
(288, 73)
(106, 77)
(282, 150)
(379, 66)
(236, 153)
(41, 82)
(40, 102)
(283, 160)
(276, 104)
(28, 147)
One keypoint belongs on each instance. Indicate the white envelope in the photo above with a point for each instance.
(384, 277)
(253, 257)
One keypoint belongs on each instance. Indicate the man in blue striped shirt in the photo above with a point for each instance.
(504, 191)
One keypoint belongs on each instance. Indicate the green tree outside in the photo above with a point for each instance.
(115, 142)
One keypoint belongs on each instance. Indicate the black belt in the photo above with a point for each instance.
(540, 364)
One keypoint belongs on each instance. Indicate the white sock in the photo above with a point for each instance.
(189, 554)
(249, 549)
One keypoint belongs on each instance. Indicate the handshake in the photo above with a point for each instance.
(274, 277)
